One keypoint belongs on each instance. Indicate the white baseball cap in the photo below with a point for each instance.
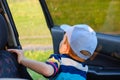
(81, 37)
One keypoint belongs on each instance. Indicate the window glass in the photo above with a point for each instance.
(101, 15)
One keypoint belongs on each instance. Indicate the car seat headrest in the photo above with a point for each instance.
(3, 32)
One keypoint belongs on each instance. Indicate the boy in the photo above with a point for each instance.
(78, 44)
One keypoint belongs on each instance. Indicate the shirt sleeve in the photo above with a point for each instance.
(54, 61)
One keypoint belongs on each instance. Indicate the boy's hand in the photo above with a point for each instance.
(19, 53)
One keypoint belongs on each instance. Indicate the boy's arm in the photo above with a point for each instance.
(39, 67)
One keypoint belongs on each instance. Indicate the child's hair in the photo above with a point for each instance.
(82, 39)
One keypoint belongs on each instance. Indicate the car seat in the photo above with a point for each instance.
(3, 33)
(9, 67)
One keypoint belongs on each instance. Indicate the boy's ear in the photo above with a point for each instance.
(68, 48)
(66, 45)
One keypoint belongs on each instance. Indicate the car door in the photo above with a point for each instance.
(9, 38)
(104, 17)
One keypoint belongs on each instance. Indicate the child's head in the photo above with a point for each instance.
(82, 39)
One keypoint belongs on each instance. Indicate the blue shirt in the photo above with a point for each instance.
(66, 68)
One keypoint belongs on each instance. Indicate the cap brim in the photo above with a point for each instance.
(65, 27)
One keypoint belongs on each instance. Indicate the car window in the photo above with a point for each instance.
(101, 15)
(31, 24)
(34, 35)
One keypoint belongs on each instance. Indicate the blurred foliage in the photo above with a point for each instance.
(101, 15)
(30, 22)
